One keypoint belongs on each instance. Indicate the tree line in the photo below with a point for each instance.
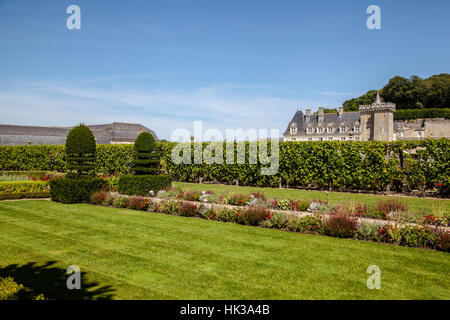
(412, 93)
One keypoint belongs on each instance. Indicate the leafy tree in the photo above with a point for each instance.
(353, 104)
(412, 93)
(80, 149)
(146, 157)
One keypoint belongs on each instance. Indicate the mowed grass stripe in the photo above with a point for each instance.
(73, 240)
(198, 261)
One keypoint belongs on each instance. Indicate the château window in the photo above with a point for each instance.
(356, 138)
(330, 138)
(319, 130)
(342, 129)
(330, 130)
(310, 130)
(309, 139)
(357, 129)
(293, 130)
(342, 138)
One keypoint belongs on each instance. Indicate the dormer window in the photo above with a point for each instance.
(356, 129)
(342, 129)
(310, 130)
(330, 130)
(293, 130)
(319, 130)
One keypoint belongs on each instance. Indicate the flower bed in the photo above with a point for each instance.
(339, 221)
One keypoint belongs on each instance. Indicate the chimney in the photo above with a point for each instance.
(320, 119)
(341, 111)
(308, 114)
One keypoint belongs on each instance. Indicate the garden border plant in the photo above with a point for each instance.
(401, 166)
(338, 223)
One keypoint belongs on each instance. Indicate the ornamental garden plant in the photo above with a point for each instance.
(145, 166)
(80, 181)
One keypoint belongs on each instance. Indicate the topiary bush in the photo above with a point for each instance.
(142, 185)
(76, 189)
(145, 158)
(80, 150)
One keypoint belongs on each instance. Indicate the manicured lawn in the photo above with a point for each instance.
(414, 203)
(128, 254)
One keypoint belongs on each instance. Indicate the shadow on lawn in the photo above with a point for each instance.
(51, 281)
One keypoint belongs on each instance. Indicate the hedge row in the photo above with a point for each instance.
(370, 165)
(334, 165)
(110, 159)
(407, 114)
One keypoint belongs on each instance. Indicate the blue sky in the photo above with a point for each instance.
(231, 64)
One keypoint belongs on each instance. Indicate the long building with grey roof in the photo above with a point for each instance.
(113, 133)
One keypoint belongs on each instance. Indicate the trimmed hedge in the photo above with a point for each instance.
(363, 165)
(407, 114)
(76, 189)
(333, 165)
(24, 187)
(110, 158)
(141, 185)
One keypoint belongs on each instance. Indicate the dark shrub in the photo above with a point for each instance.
(73, 190)
(340, 223)
(145, 157)
(187, 209)
(80, 149)
(142, 185)
(253, 216)
(443, 241)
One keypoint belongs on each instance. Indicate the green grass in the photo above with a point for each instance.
(128, 254)
(414, 203)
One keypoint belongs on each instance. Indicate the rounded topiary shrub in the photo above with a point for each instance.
(146, 157)
(80, 150)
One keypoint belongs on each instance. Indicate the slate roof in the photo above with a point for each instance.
(104, 133)
(348, 118)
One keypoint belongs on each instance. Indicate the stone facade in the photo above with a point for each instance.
(113, 133)
(372, 122)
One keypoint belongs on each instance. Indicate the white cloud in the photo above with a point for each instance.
(163, 110)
